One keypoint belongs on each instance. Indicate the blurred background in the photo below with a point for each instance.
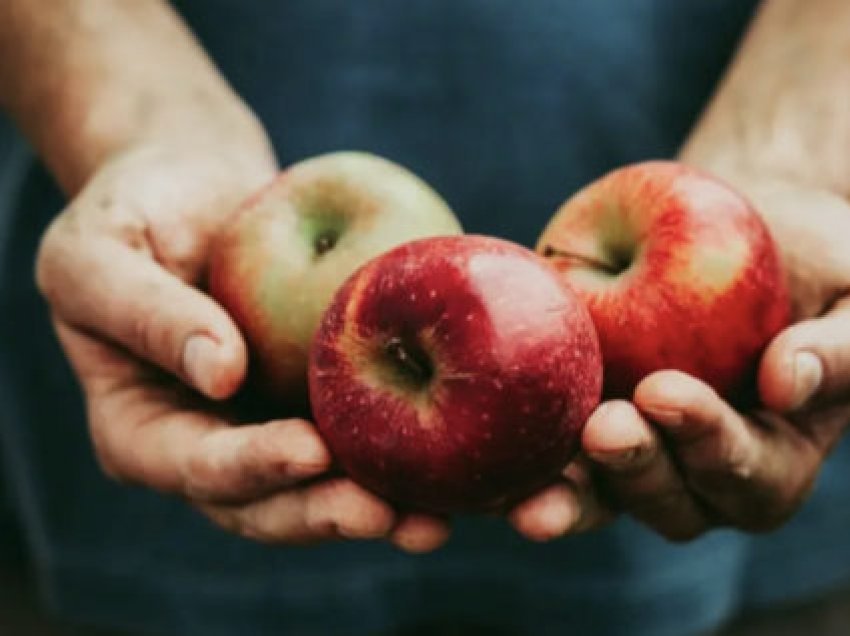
(21, 612)
(19, 608)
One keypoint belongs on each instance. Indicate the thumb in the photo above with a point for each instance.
(104, 287)
(809, 363)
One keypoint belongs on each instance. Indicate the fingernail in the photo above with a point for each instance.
(632, 457)
(664, 415)
(808, 375)
(198, 357)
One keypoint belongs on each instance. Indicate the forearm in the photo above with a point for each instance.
(87, 78)
(783, 109)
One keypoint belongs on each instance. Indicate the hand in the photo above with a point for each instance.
(678, 457)
(120, 268)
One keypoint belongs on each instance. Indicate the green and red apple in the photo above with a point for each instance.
(276, 267)
(678, 271)
(454, 374)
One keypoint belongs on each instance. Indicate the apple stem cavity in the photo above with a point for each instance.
(410, 360)
(325, 241)
(620, 265)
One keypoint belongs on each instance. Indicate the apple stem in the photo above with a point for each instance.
(415, 366)
(549, 251)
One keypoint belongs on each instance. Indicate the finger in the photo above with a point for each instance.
(638, 472)
(548, 515)
(808, 363)
(154, 434)
(104, 287)
(192, 454)
(417, 533)
(247, 461)
(753, 474)
(335, 509)
(568, 506)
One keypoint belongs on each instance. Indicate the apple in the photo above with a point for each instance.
(276, 267)
(454, 374)
(678, 271)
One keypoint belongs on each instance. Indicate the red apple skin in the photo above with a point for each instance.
(516, 372)
(266, 271)
(702, 289)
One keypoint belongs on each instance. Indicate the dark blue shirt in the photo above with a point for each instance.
(506, 108)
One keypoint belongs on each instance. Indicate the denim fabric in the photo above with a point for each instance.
(505, 107)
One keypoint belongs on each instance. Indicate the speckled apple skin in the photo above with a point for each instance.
(263, 268)
(517, 372)
(706, 291)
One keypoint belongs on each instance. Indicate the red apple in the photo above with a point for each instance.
(678, 271)
(291, 246)
(454, 374)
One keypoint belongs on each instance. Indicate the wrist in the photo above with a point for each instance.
(87, 80)
(77, 144)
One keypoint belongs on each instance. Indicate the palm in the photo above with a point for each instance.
(681, 459)
(133, 246)
(809, 225)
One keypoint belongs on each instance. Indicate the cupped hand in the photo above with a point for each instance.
(155, 356)
(681, 459)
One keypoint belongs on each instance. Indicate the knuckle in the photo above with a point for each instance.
(200, 476)
(737, 465)
(351, 512)
(142, 332)
(260, 467)
(105, 453)
(323, 509)
(275, 521)
(112, 466)
(264, 524)
(151, 335)
(224, 519)
(232, 474)
(251, 530)
(49, 257)
(157, 336)
(254, 467)
(320, 524)
(255, 452)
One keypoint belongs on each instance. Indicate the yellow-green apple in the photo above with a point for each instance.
(277, 265)
(678, 271)
(454, 374)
